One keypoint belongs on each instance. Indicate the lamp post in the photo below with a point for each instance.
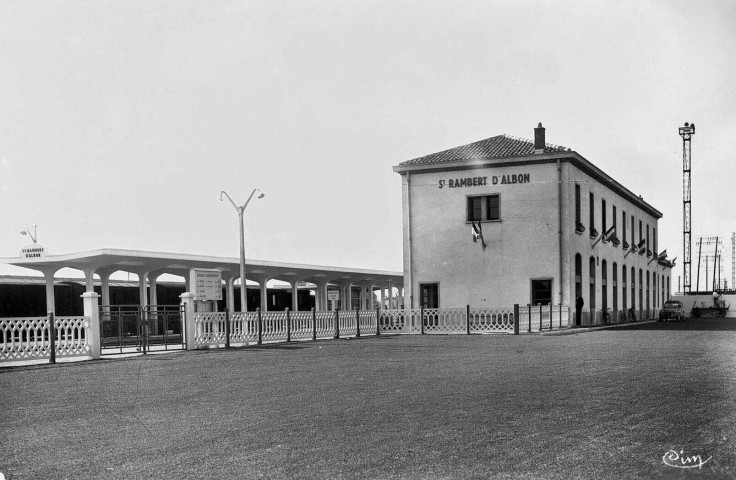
(240, 210)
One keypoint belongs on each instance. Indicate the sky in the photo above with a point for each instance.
(122, 121)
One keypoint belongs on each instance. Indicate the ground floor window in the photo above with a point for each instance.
(604, 285)
(430, 295)
(591, 295)
(615, 286)
(623, 287)
(542, 292)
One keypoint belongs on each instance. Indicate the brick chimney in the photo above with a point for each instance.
(539, 139)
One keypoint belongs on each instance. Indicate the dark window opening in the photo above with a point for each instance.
(484, 208)
(429, 293)
(541, 292)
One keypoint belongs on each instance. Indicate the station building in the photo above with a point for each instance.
(548, 225)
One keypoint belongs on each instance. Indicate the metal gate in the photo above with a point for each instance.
(132, 328)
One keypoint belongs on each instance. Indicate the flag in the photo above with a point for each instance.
(610, 233)
(477, 232)
(662, 255)
(639, 247)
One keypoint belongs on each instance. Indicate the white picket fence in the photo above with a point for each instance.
(28, 338)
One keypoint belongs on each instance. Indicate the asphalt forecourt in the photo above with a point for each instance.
(650, 401)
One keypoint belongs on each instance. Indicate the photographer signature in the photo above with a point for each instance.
(680, 460)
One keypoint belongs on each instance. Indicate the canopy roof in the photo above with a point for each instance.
(111, 260)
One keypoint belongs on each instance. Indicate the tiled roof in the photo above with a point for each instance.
(494, 147)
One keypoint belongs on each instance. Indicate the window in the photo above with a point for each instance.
(604, 285)
(591, 220)
(541, 292)
(484, 208)
(615, 287)
(641, 290)
(592, 283)
(623, 287)
(633, 286)
(577, 203)
(648, 304)
(623, 224)
(429, 293)
(641, 232)
(633, 222)
(614, 219)
(603, 216)
(663, 285)
(648, 244)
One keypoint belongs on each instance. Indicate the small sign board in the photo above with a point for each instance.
(33, 250)
(207, 284)
(333, 294)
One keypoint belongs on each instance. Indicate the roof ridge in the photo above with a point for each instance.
(527, 140)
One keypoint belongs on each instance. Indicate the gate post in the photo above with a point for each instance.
(378, 321)
(52, 337)
(314, 324)
(357, 323)
(467, 319)
(516, 319)
(421, 314)
(288, 325)
(227, 328)
(92, 312)
(260, 327)
(337, 322)
(187, 301)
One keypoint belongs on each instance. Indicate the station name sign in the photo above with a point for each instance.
(34, 250)
(482, 181)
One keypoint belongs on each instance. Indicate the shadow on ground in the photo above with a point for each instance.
(702, 324)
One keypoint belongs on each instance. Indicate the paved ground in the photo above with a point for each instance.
(601, 404)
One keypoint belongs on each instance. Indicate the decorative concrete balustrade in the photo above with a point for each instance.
(31, 338)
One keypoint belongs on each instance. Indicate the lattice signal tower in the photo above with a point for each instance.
(733, 260)
(686, 133)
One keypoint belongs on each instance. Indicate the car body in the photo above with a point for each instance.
(672, 309)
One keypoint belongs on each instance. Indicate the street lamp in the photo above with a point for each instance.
(240, 210)
(32, 235)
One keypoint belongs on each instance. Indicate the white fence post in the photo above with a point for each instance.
(92, 312)
(187, 301)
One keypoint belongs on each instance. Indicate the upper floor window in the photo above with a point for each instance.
(591, 218)
(483, 208)
(603, 216)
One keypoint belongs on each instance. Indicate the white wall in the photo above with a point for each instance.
(521, 246)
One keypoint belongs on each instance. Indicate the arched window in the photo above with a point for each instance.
(591, 294)
(633, 287)
(623, 287)
(604, 285)
(664, 299)
(648, 304)
(641, 289)
(615, 287)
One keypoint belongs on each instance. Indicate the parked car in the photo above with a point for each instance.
(672, 309)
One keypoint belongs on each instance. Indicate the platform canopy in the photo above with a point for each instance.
(111, 260)
(150, 265)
